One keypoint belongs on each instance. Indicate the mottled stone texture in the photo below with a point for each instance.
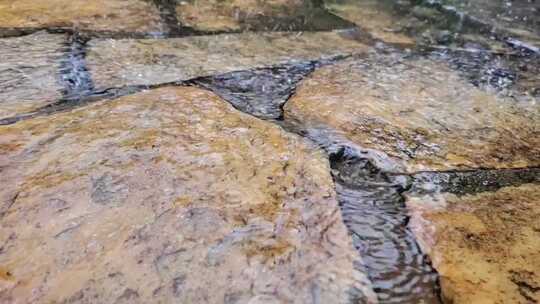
(272, 15)
(375, 17)
(135, 16)
(419, 113)
(29, 68)
(168, 196)
(116, 63)
(486, 247)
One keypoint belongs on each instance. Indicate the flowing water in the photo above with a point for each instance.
(493, 44)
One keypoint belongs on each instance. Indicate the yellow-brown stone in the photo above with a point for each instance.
(29, 68)
(374, 17)
(96, 15)
(485, 247)
(269, 15)
(117, 63)
(169, 195)
(419, 113)
(216, 15)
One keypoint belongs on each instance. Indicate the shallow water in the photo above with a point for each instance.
(493, 45)
(374, 211)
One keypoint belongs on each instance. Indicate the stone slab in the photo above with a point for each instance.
(242, 15)
(171, 196)
(132, 16)
(29, 72)
(418, 113)
(118, 63)
(485, 247)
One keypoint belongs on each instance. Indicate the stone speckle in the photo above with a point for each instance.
(157, 61)
(169, 195)
(486, 247)
(29, 76)
(418, 112)
(242, 15)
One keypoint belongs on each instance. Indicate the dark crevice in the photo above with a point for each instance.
(167, 12)
(511, 73)
(83, 33)
(372, 204)
(374, 211)
(467, 21)
(260, 92)
(177, 32)
(5, 209)
(473, 181)
(74, 77)
(314, 17)
(74, 102)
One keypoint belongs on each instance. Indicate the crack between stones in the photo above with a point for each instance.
(79, 90)
(167, 13)
(175, 28)
(468, 21)
(74, 76)
(374, 207)
(472, 181)
(395, 211)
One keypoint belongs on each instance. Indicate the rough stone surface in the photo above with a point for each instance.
(96, 15)
(419, 113)
(29, 72)
(168, 196)
(117, 63)
(520, 19)
(374, 17)
(486, 247)
(236, 15)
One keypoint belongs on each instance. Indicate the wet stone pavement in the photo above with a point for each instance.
(246, 151)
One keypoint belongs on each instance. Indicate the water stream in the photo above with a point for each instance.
(475, 42)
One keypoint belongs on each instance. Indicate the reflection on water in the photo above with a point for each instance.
(375, 214)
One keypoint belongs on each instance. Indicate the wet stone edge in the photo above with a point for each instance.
(260, 92)
(175, 29)
(167, 13)
(281, 79)
(474, 181)
(74, 76)
(467, 21)
(373, 210)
